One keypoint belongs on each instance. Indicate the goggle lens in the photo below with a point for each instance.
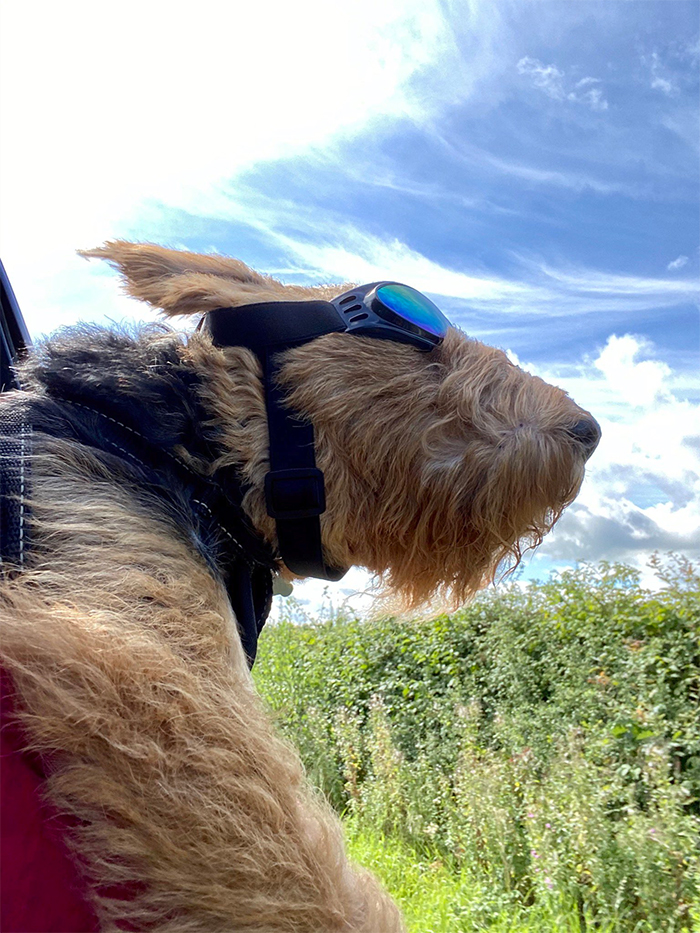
(413, 307)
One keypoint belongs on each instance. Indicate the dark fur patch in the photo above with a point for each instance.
(130, 401)
(127, 374)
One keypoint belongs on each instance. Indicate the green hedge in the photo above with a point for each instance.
(544, 740)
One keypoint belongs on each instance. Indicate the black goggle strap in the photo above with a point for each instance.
(294, 487)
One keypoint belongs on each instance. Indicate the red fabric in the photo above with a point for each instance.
(40, 888)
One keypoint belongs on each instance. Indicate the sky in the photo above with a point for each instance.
(532, 166)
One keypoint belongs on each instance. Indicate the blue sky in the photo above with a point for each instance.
(534, 166)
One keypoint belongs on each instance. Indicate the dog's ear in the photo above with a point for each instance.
(190, 283)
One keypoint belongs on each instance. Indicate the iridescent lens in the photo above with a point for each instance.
(414, 308)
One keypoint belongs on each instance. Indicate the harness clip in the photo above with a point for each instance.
(296, 493)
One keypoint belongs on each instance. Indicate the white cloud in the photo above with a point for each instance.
(639, 383)
(677, 263)
(662, 84)
(642, 489)
(547, 78)
(553, 82)
(661, 78)
(587, 91)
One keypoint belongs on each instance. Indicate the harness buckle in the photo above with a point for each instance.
(296, 493)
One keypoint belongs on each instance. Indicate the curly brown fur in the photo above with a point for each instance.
(133, 685)
(130, 675)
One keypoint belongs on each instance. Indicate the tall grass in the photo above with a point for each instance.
(441, 897)
(536, 755)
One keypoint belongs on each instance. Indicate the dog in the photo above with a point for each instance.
(179, 807)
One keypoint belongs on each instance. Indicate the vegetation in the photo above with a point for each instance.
(529, 763)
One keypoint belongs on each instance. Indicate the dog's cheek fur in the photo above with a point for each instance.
(440, 468)
(131, 681)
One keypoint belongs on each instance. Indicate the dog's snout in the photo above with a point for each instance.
(588, 432)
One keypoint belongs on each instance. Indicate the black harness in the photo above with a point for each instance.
(207, 512)
(126, 436)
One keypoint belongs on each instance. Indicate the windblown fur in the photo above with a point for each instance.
(129, 672)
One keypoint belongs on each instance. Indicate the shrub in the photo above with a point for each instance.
(544, 740)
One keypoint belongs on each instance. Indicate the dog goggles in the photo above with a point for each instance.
(392, 311)
(387, 310)
(294, 487)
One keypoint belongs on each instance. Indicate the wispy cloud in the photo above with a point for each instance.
(342, 252)
(613, 287)
(570, 178)
(547, 78)
(573, 180)
(555, 84)
(360, 257)
(660, 75)
(590, 92)
(677, 264)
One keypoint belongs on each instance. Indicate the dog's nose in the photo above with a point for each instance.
(588, 432)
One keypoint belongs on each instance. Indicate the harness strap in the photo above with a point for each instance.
(294, 487)
(15, 451)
